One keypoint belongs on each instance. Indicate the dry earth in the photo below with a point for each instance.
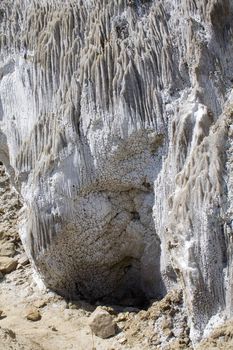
(65, 325)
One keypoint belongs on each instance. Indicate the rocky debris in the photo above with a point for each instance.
(10, 205)
(7, 264)
(12, 255)
(102, 323)
(162, 326)
(33, 314)
(220, 339)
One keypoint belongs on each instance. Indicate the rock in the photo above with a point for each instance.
(2, 314)
(23, 260)
(110, 310)
(122, 317)
(33, 314)
(1, 275)
(53, 328)
(167, 323)
(122, 340)
(7, 264)
(102, 323)
(20, 281)
(186, 340)
(10, 333)
(40, 303)
(167, 333)
(72, 306)
(7, 249)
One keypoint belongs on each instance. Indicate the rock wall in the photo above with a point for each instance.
(115, 126)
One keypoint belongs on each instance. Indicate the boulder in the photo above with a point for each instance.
(102, 323)
(7, 264)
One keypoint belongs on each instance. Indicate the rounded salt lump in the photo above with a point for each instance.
(102, 323)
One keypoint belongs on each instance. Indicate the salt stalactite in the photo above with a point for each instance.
(111, 108)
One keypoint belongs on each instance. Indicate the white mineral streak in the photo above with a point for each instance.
(109, 108)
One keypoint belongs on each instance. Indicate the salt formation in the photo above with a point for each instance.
(109, 109)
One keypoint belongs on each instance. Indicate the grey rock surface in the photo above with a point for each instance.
(116, 129)
(102, 323)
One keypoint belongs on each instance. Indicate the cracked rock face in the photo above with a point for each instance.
(115, 126)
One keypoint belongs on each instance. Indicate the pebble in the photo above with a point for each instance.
(33, 314)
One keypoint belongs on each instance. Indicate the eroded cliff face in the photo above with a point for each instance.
(115, 125)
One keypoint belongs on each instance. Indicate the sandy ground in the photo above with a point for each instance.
(65, 325)
(62, 326)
